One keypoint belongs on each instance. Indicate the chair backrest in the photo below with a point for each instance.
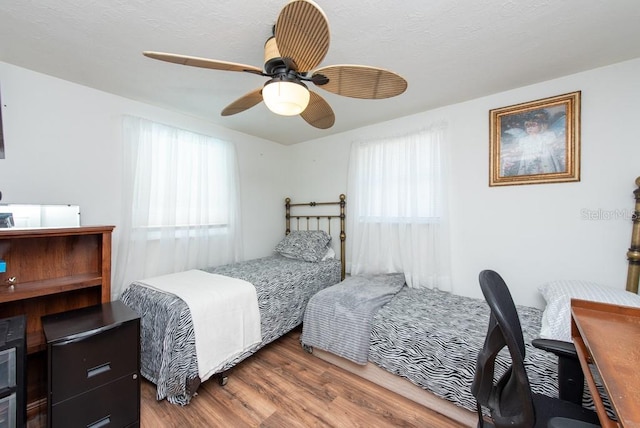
(508, 399)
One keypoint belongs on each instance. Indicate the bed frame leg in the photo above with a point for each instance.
(223, 378)
(307, 348)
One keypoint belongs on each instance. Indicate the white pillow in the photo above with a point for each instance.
(556, 318)
(331, 254)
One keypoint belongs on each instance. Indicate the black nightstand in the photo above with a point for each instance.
(93, 367)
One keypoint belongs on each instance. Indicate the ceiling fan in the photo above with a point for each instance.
(298, 45)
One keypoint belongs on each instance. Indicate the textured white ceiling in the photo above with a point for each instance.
(448, 50)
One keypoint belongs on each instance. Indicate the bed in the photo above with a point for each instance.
(423, 344)
(308, 259)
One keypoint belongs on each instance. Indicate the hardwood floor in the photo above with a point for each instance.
(283, 386)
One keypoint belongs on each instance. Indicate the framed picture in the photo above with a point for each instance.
(535, 142)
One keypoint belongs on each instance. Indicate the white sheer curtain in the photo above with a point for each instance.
(397, 216)
(181, 206)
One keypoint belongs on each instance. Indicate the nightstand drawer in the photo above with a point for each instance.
(87, 361)
(112, 405)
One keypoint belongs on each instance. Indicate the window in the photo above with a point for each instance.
(397, 208)
(180, 202)
(398, 179)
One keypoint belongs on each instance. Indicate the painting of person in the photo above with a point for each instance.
(533, 142)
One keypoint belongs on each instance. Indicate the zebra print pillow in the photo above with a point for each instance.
(307, 245)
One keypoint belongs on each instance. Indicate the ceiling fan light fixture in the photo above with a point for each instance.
(285, 97)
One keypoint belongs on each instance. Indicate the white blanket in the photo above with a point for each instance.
(224, 310)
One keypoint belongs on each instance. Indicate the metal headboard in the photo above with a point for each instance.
(308, 221)
(633, 255)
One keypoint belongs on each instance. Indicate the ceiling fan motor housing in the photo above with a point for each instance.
(274, 63)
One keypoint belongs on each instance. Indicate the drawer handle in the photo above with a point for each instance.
(98, 370)
(101, 423)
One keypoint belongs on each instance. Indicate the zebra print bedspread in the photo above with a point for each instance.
(167, 341)
(432, 338)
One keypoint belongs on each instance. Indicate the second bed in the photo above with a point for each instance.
(284, 283)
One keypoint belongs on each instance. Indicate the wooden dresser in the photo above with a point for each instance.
(52, 270)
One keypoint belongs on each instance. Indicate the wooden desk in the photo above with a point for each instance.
(608, 337)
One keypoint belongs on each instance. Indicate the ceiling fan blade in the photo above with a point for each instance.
(302, 34)
(318, 113)
(202, 62)
(361, 81)
(243, 103)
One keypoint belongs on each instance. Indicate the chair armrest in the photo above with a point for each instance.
(558, 347)
(570, 376)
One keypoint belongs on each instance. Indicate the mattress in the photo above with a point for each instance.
(168, 357)
(432, 338)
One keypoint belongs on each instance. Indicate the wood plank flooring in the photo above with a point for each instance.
(283, 386)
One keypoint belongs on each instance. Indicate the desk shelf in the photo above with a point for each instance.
(28, 290)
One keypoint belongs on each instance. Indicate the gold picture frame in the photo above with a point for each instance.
(535, 142)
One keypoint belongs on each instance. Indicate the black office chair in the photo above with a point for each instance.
(510, 401)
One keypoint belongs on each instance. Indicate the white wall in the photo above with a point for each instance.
(63, 145)
(528, 233)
